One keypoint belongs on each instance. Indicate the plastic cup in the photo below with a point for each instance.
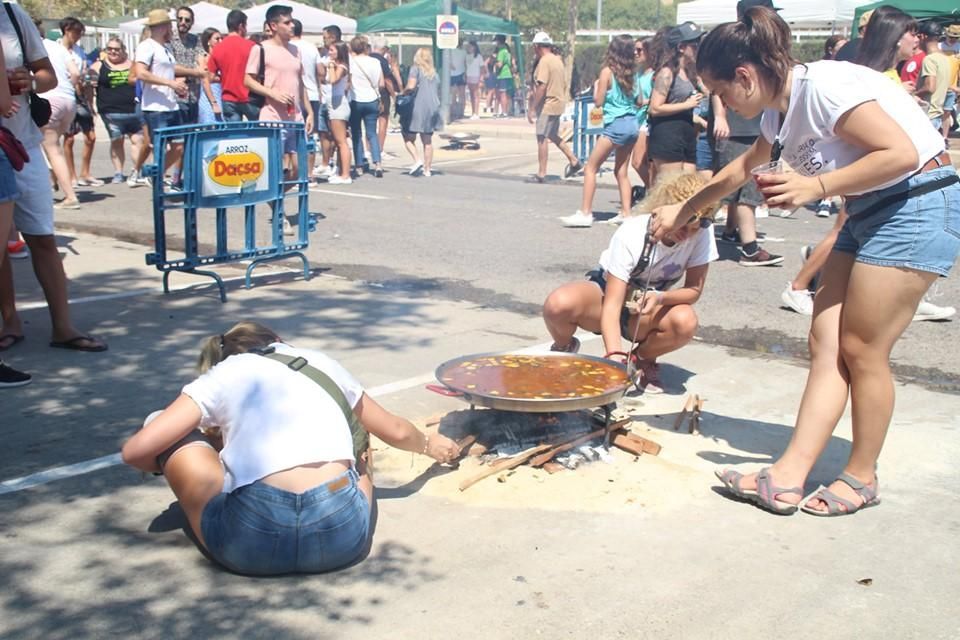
(768, 168)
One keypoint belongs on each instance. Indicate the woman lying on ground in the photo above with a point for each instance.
(846, 130)
(289, 491)
(667, 320)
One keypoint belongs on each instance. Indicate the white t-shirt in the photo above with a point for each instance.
(21, 125)
(458, 62)
(309, 57)
(272, 417)
(474, 67)
(323, 61)
(159, 61)
(365, 75)
(62, 62)
(668, 264)
(821, 93)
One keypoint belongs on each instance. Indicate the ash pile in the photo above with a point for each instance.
(502, 440)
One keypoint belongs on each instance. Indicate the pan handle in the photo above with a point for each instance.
(444, 391)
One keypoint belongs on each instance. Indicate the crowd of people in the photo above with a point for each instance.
(726, 118)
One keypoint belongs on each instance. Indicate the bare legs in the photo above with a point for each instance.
(621, 166)
(426, 139)
(543, 149)
(338, 128)
(818, 257)
(58, 163)
(859, 312)
(578, 304)
(639, 160)
(474, 99)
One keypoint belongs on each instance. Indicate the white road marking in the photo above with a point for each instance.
(349, 194)
(139, 292)
(481, 158)
(112, 460)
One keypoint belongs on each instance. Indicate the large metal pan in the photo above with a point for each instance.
(534, 405)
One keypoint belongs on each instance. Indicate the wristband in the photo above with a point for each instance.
(820, 180)
(33, 84)
(426, 444)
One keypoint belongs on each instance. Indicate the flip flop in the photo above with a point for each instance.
(765, 495)
(14, 338)
(834, 502)
(76, 344)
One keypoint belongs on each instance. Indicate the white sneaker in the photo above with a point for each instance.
(823, 209)
(475, 116)
(800, 301)
(427, 174)
(761, 211)
(415, 167)
(616, 220)
(287, 228)
(577, 220)
(805, 252)
(338, 180)
(929, 311)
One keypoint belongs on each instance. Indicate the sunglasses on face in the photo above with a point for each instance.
(184, 19)
(114, 49)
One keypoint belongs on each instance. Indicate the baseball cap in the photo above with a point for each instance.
(542, 37)
(686, 32)
(745, 5)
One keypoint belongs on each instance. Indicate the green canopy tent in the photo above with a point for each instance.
(942, 10)
(421, 17)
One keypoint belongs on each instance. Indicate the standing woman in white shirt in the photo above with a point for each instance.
(475, 73)
(366, 79)
(846, 131)
(288, 491)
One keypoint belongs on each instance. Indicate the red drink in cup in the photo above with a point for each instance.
(768, 168)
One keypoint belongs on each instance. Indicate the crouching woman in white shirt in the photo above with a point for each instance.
(667, 320)
(288, 492)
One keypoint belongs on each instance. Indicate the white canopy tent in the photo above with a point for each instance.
(205, 15)
(313, 19)
(799, 14)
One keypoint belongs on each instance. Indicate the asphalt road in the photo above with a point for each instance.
(477, 232)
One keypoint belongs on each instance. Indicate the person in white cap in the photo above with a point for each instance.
(547, 101)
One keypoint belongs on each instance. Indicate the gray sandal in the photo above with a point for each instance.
(837, 506)
(765, 495)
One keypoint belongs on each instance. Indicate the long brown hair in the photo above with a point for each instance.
(242, 337)
(621, 59)
(761, 38)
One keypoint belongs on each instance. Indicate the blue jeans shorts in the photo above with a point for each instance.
(261, 530)
(319, 117)
(122, 124)
(623, 130)
(161, 120)
(8, 181)
(705, 159)
(922, 232)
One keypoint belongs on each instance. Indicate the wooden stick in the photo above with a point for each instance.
(687, 405)
(576, 442)
(503, 465)
(627, 444)
(695, 416)
(648, 446)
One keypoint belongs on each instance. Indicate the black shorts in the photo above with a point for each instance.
(672, 141)
(83, 120)
(597, 275)
(458, 80)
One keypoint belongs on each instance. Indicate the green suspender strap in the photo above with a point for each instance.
(361, 439)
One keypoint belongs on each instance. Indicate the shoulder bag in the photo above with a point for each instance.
(257, 99)
(39, 107)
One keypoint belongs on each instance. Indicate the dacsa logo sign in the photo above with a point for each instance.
(235, 169)
(447, 28)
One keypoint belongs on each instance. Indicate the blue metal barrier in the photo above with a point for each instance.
(584, 132)
(229, 165)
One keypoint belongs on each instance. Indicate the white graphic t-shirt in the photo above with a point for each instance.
(821, 93)
(668, 264)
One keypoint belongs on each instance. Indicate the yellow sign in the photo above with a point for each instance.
(235, 169)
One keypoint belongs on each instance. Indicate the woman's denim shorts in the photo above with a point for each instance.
(8, 180)
(922, 232)
(623, 130)
(261, 530)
